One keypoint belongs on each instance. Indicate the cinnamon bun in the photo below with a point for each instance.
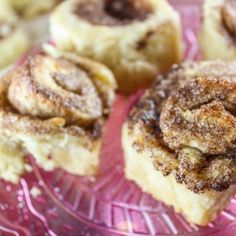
(218, 31)
(179, 140)
(13, 39)
(136, 39)
(54, 107)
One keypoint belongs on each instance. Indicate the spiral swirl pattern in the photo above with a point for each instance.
(55, 107)
(50, 89)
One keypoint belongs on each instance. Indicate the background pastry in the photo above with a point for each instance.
(32, 8)
(218, 30)
(13, 39)
(136, 39)
(33, 16)
(179, 140)
(57, 116)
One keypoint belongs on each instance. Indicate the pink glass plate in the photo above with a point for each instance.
(111, 205)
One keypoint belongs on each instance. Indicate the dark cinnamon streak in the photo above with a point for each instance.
(142, 43)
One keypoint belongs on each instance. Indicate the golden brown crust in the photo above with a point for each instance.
(189, 117)
(49, 95)
(113, 12)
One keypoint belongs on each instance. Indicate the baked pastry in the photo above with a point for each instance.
(179, 140)
(137, 39)
(54, 108)
(13, 40)
(34, 16)
(32, 8)
(218, 30)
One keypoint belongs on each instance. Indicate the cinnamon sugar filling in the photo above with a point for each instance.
(113, 12)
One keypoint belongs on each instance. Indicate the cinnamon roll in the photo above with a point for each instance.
(13, 39)
(137, 39)
(54, 107)
(179, 140)
(218, 31)
(34, 17)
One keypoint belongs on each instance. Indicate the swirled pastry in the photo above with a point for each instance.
(13, 40)
(54, 108)
(179, 140)
(218, 31)
(137, 39)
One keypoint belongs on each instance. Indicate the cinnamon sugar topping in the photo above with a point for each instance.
(198, 115)
(188, 122)
(49, 96)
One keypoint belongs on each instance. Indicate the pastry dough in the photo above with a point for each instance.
(218, 30)
(179, 140)
(136, 39)
(13, 39)
(57, 116)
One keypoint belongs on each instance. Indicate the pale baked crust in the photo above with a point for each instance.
(58, 114)
(136, 46)
(217, 37)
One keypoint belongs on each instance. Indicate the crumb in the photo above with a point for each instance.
(35, 192)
